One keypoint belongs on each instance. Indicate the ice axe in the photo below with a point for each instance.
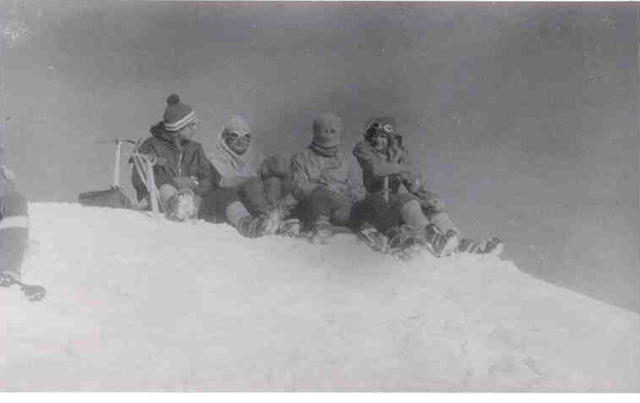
(115, 183)
(143, 164)
(385, 188)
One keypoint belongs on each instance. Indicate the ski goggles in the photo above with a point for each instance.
(237, 136)
(387, 128)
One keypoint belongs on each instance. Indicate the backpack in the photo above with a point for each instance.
(113, 197)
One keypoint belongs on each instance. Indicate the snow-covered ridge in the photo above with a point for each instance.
(141, 303)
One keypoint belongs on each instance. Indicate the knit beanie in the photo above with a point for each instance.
(326, 144)
(177, 115)
(383, 124)
(236, 124)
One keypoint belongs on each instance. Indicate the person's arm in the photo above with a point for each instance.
(300, 182)
(354, 181)
(377, 167)
(207, 175)
(274, 165)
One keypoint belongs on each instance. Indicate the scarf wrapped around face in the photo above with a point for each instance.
(326, 144)
(235, 169)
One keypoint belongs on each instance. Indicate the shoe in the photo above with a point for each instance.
(291, 228)
(404, 243)
(493, 247)
(374, 238)
(182, 206)
(273, 220)
(320, 231)
(442, 244)
(253, 227)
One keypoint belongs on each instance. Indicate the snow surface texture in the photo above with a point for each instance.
(137, 303)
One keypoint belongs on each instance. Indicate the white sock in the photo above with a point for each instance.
(235, 212)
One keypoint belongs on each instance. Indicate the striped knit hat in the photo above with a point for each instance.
(177, 115)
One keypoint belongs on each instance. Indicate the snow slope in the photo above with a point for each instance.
(141, 303)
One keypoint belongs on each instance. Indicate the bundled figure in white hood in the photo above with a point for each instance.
(262, 182)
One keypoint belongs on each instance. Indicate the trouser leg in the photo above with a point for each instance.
(443, 222)
(14, 232)
(166, 192)
(252, 193)
(213, 207)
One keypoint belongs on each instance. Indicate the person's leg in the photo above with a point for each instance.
(316, 207)
(442, 221)
(166, 192)
(411, 213)
(14, 233)
(252, 194)
(215, 202)
(273, 190)
(382, 214)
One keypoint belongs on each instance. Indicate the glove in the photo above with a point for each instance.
(430, 201)
(274, 165)
(186, 182)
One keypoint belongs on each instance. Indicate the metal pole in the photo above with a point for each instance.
(116, 166)
(385, 187)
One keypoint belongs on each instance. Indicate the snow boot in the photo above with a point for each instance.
(182, 206)
(291, 228)
(493, 246)
(273, 219)
(404, 243)
(374, 238)
(441, 244)
(252, 227)
(320, 231)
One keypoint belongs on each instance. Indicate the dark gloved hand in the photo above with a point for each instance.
(186, 182)
(274, 165)
(430, 201)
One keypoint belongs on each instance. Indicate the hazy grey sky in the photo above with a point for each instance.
(524, 116)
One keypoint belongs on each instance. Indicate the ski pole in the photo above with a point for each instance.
(385, 188)
(115, 183)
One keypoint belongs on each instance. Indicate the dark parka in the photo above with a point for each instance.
(180, 158)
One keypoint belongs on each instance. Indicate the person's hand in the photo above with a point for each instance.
(395, 154)
(186, 182)
(432, 203)
(408, 177)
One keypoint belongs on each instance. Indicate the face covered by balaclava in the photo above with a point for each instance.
(327, 129)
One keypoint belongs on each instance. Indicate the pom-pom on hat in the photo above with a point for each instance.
(177, 115)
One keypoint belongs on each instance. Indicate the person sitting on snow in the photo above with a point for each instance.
(181, 171)
(14, 235)
(326, 182)
(262, 182)
(186, 179)
(398, 202)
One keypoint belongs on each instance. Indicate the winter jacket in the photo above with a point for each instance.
(376, 166)
(236, 170)
(340, 174)
(182, 158)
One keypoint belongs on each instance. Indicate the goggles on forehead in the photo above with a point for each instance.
(388, 128)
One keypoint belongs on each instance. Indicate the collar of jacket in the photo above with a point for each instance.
(158, 131)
